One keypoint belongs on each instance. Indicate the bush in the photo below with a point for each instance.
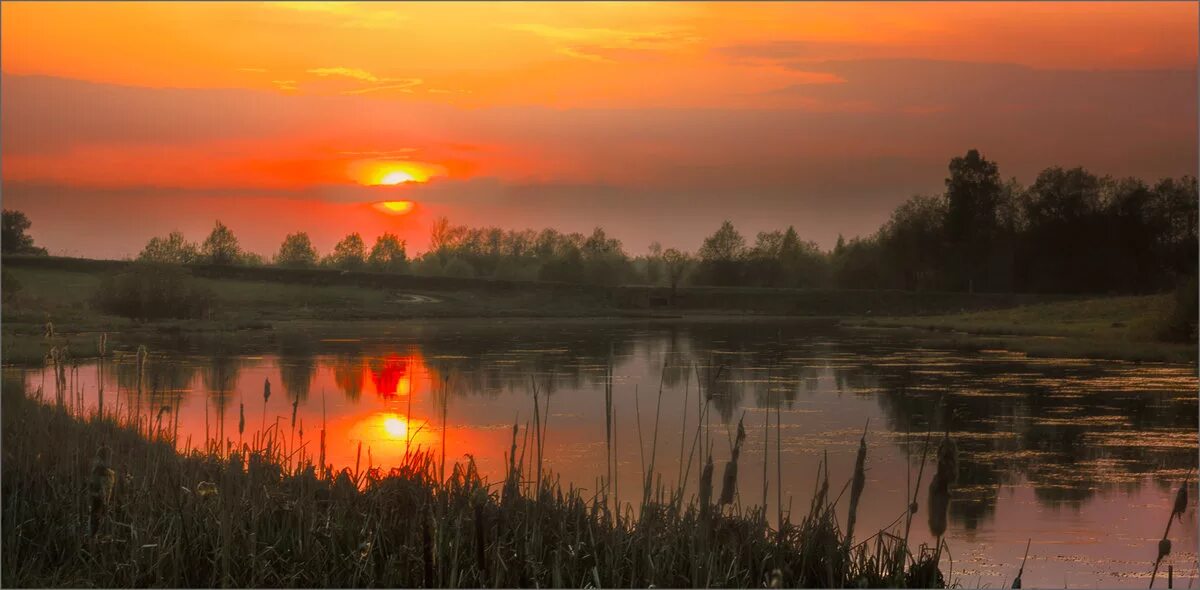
(1178, 321)
(149, 291)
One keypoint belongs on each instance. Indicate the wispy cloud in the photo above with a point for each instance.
(368, 15)
(595, 44)
(354, 73)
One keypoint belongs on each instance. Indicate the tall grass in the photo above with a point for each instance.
(268, 512)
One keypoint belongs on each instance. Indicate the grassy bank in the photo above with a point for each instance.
(1120, 328)
(267, 514)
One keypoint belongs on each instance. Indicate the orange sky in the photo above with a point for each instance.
(657, 120)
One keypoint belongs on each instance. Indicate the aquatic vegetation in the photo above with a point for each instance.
(262, 513)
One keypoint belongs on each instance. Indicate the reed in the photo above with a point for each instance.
(263, 515)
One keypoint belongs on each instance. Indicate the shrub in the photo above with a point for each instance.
(147, 291)
(1178, 321)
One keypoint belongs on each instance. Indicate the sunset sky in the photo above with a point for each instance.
(121, 121)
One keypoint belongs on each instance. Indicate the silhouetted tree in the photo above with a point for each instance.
(14, 240)
(349, 253)
(721, 254)
(296, 251)
(221, 246)
(387, 255)
(973, 193)
(172, 249)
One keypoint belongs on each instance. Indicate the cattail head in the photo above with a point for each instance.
(241, 418)
(1164, 548)
(295, 404)
(706, 483)
(947, 463)
(939, 504)
(266, 390)
(1181, 501)
(729, 482)
(857, 485)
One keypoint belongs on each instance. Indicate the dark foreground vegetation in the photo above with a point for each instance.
(109, 502)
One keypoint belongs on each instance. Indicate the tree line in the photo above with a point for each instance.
(1070, 231)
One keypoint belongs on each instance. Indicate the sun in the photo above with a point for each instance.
(394, 207)
(395, 426)
(396, 177)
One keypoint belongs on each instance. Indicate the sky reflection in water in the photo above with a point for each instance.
(1081, 456)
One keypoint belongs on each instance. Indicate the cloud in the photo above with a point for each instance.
(828, 158)
(363, 15)
(605, 45)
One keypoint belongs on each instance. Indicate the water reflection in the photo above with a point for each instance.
(1040, 440)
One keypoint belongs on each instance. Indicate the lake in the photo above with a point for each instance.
(1081, 456)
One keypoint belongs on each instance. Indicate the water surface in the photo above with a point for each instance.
(1081, 456)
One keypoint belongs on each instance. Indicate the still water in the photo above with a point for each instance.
(1081, 456)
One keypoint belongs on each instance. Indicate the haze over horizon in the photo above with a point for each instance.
(656, 121)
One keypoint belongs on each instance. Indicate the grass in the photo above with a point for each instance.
(112, 503)
(1119, 328)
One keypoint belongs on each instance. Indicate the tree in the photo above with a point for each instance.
(349, 253)
(221, 246)
(14, 240)
(173, 249)
(973, 193)
(387, 255)
(676, 264)
(914, 244)
(721, 256)
(296, 251)
(725, 245)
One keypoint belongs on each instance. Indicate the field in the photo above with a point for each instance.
(1111, 327)
(254, 303)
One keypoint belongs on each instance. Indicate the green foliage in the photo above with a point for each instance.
(221, 246)
(13, 239)
(296, 251)
(388, 255)
(348, 254)
(173, 249)
(148, 291)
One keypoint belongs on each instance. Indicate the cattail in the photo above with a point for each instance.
(100, 487)
(1017, 581)
(266, 390)
(1181, 501)
(939, 488)
(729, 480)
(241, 418)
(1164, 548)
(856, 488)
(706, 484)
(295, 404)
